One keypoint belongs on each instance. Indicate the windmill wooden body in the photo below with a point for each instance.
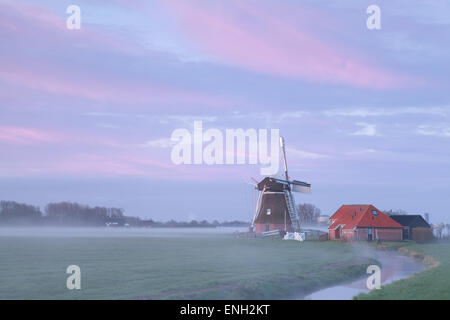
(276, 209)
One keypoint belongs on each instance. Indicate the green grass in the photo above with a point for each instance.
(432, 283)
(214, 266)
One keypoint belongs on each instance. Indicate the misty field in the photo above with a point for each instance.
(168, 264)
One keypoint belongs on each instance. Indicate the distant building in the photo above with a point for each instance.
(363, 222)
(415, 227)
(323, 219)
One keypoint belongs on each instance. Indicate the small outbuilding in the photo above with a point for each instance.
(414, 227)
(323, 219)
(363, 222)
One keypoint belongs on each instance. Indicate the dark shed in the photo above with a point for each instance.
(411, 220)
(415, 227)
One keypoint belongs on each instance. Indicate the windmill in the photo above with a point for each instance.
(275, 208)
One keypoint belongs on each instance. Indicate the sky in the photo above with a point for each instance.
(87, 115)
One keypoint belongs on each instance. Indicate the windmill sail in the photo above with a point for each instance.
(300, 186)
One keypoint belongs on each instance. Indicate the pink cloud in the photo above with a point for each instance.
(113, 164)
(78, 154)
(43, 26)
(15, 135)
(19, 135)
(50, 69)
(63, 153)
(251, 36)
(85, 86)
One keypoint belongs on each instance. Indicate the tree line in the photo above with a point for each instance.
(78, 215)
(60, 213)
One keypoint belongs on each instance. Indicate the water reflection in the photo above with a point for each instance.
(393, 267)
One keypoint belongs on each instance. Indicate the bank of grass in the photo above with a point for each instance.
(206, 267)
(432, 283)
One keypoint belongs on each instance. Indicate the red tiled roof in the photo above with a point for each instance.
(350, 216)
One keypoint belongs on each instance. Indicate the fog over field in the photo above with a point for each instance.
(167, 263)
(113, 232)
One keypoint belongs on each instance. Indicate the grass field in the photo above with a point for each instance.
(433, 283)
(204, 265)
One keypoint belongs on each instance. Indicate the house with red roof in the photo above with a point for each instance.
(363, 222)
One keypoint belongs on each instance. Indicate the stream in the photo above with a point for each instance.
(393, 267)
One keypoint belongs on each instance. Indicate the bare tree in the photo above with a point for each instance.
(308, 213)
(439, 227)
(391, 212)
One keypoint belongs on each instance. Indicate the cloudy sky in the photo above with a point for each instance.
(86, 115)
